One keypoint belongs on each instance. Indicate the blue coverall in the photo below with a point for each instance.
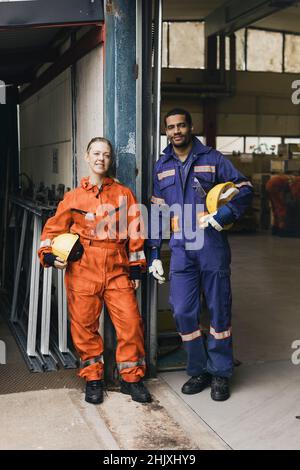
(207, 267)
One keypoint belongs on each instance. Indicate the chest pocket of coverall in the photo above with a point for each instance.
(206, 179)
(166, 186)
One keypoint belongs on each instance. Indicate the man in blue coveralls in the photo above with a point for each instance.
(184, 174)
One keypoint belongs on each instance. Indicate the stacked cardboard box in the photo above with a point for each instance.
(287, 151)
(280, 165)
(249, 164)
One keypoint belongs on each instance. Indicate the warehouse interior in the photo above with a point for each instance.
(254, 122)
(240, 85)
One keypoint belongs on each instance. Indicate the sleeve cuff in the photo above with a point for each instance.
(49, 259)
(154, 254)
(224, 216)
(135, 272)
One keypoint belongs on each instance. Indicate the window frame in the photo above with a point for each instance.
(268, 30)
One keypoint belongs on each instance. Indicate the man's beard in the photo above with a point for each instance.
(184, 143)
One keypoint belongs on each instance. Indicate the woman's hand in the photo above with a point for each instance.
(136, 283)
(60, 263)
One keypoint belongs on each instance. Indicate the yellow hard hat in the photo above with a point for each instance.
(220, 195)
(64, 246)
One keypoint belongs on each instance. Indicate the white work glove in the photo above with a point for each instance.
(207, 220)
(157, 271)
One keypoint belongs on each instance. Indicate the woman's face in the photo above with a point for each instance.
(99, 158)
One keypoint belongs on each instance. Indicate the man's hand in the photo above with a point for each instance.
(209, 219)
(218, 220)
(60, 263)
(157, 271)
(136, 283)
(51, 260)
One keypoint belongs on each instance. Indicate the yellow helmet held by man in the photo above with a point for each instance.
(67, 247)
(219, 195)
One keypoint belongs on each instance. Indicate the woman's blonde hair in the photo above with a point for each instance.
(111, 170)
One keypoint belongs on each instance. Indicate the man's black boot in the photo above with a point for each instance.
(137, 390)
(94, 391)
(196, 384)
(220, 388)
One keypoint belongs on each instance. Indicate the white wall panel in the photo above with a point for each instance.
(89, 89)
(45, 122)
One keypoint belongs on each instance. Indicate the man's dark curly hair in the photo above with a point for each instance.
(182, 111)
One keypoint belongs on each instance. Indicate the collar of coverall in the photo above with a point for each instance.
(198, 149)
(85, 183)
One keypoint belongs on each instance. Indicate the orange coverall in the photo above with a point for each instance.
(101, 275)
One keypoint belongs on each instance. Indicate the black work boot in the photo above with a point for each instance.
(137, 390)
(196, 384)
(94, 391)
(220, 388)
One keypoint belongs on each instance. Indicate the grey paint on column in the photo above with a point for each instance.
(120, 86)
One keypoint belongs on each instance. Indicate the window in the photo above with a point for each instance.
(163, 142)
(202, 139)
(292, 53)
(227, 52)
(292, 140)
(234, 144)
(264, 51)
(240, 49)
(267, 145)
(228, 145)
(186, 45)
(165, 45)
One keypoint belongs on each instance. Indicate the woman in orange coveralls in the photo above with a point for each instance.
(108, 271)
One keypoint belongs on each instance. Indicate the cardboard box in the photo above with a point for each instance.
(287, 151)
(249, 164)
(285, 166)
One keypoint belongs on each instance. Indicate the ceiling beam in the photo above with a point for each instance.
(234, 15)
(27, 56)
(87, 43)
(18, 79)
(54, 12)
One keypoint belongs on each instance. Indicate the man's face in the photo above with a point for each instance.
(178, 131)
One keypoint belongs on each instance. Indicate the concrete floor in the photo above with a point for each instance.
(47, 410)
(266, 320)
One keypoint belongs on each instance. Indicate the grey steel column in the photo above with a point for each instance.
(152, 285)
(157, 76)
(120, 114)
(120, 86)
(148, 159)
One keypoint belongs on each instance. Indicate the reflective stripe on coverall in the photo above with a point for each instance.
(101, 275)
(207, 268)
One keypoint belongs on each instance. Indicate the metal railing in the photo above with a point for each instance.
(42, 340)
